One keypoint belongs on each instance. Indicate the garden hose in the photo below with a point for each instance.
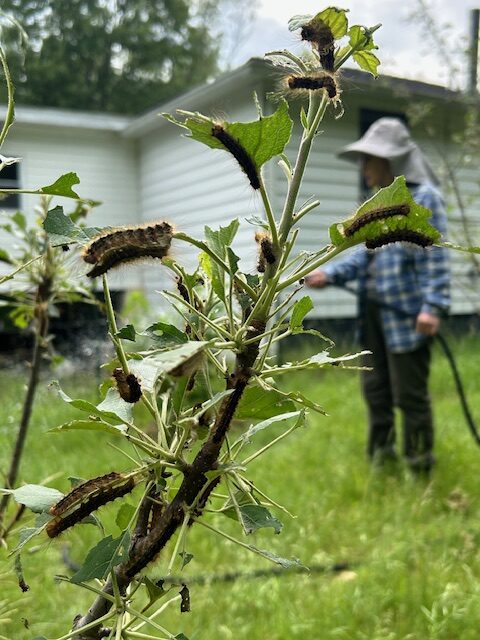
(451, 360)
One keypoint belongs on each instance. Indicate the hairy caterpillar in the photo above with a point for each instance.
(125, 245)
(314, 83)
(128, 386)
(399, 235)
(376, 214)
(86, 498)
(239, 153)
(320, 34)
(266, 254)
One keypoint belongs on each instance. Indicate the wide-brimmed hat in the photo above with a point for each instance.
(390, 139)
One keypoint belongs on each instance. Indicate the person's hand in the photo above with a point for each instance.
(427, 324)
(317, 279)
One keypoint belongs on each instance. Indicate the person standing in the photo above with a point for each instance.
(403, 291)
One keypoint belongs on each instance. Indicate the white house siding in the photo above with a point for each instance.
(104, 161)
(192, 186)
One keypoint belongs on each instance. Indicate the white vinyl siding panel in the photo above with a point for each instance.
(191, 185)
(105, 163)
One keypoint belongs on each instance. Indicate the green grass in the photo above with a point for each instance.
(412, 543)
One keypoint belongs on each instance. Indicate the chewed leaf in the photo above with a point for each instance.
(63, 186)
(336, 19)
(367, 61)
(62, 230)
(391, 215)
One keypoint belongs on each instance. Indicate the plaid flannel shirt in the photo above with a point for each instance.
(406, 276)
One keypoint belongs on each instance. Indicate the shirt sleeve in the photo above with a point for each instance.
(432, 264)
(346, 269)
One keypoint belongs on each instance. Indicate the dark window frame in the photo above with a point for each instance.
(10, 179)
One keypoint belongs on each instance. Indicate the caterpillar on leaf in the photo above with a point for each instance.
(239, 153)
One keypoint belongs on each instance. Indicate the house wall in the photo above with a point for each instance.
(104, 161)
(191, 185)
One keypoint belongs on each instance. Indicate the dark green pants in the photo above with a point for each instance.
(397, 380)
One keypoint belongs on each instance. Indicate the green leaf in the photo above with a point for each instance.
(36, 497)
(367, 61)
(27, 533)
(359, 39)
(152, 367)
(165, 334)
(4, 257)
(63, 186)
(63, 231)
(90, 425)
(106, 555)
(300, 310)
(233, 261)
(258, 404)
(122, 412)
(20, 220)
(155, 589)
(255, 516)
(297, 398)
(304, 119)
(395, 194)
(286, 564)
(247, 436)
(127, 333)
(218, 242)
(124, 516)
(186, 558)
(334, 18)
(262, 139)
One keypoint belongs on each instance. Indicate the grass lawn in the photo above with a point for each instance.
(411, 544)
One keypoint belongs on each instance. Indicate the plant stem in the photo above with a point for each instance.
(41, 331)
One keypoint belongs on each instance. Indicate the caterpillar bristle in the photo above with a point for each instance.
(376, 214)
(399, 235)
(314, 83)
(239, 153)
(128, 244)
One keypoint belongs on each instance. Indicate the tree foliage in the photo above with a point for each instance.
(118, 56)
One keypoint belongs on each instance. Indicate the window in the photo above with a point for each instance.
(9, 179)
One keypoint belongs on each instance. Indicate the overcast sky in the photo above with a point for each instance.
(404, 48)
